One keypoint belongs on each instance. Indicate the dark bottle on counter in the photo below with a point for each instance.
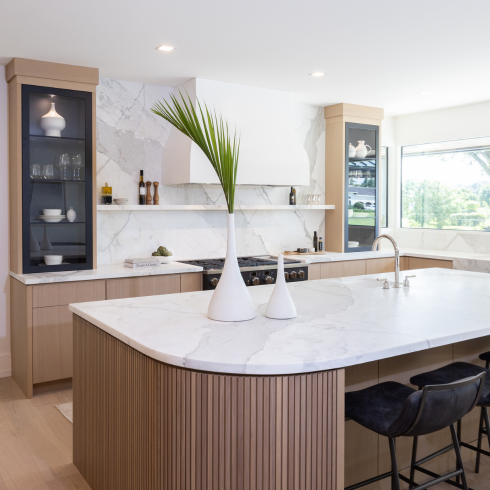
(106, 194)
(320, 244)
(315, 241)
(142, 190)
(292, 197)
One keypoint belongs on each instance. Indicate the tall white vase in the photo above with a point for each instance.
(280, 305)
(231, 301)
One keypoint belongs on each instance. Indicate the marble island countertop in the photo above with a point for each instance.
(340, 323)
(104, 272)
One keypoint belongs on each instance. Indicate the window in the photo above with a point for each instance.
(446, 186)
(383, 188)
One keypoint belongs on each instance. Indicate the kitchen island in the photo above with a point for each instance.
(166, 398)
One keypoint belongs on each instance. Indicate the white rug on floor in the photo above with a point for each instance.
(67, 410)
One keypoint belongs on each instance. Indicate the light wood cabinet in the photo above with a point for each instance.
(343, 269)
(379, 266)
(314, 272)
(421, 263)
(135, 287)
(52, 341)
(42, 324)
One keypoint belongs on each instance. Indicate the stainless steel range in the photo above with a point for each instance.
(255, 270)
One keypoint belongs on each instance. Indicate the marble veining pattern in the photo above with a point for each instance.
(340, 323)
(130, 138)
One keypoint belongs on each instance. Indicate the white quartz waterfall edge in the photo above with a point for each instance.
(280, 305)
(231, 301)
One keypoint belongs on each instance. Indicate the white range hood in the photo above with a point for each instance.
(270, 151)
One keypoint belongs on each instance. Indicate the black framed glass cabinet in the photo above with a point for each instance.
(57, 165)
(362, 164)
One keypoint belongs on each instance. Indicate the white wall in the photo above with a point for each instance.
(4, 235)
(455, 123)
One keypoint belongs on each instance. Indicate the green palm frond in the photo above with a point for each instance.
(210, 132)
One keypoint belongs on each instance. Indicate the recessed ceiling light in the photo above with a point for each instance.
(425, 93)
(317, 74)
(165, 48)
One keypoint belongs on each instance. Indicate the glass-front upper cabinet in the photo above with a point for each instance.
(362, 186)
(56, 179)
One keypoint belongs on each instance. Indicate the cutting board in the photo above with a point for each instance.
(306, 253)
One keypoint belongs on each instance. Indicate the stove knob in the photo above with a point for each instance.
(255, 281)
(214, 281)
(301, 274)
(269, 280)
(286, 276)
(294, 275)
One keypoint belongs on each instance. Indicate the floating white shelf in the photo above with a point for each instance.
(213, 207)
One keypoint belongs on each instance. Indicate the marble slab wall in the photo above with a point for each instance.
(130, 138)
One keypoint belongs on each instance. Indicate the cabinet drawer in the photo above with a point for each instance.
(64, 293)
(314, 272)
(191, 281)
(421, 263)
(134, 287)
(378, 266)
(343, 269)
(52, 343)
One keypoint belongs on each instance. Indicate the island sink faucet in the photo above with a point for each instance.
(397, 258)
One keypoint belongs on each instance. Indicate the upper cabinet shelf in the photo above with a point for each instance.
(214, 207)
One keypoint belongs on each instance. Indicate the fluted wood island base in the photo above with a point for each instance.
(143, 424)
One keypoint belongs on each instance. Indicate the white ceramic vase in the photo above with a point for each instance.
(352, 150)
(52, 122)
(280, 305)
(231, 301)
(71, 215)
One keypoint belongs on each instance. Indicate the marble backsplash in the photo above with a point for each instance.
(130, 138)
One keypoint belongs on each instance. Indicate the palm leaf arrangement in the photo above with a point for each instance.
(210, 132)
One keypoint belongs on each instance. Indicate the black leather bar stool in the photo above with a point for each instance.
(393, 410)
(447, 374)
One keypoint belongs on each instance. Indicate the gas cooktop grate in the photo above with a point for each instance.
(208, 264)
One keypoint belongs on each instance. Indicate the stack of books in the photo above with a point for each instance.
(146, 262)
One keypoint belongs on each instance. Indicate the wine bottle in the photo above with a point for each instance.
(292, 197)
(142, 190)
(315, 241)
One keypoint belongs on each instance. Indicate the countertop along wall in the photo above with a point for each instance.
(130, 138)
(4, 238)
(469, 121)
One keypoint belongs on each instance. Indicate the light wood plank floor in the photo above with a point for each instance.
(36, 445)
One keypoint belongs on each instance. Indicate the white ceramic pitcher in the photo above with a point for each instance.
(362, 150)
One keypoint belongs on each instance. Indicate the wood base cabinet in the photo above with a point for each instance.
(42, 325)
(143, 424)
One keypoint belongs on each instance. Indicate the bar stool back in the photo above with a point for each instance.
(393, 410)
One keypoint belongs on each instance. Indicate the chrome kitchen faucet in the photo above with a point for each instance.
(397, 284)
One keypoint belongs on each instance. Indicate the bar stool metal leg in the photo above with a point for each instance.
(480, 440)
(395, 480)
(459, 460)
(414, 459)
(458, 478)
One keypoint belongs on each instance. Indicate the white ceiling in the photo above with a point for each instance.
(379, 53)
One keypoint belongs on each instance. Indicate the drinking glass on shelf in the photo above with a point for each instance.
(48, 172)
(309, 199)
(35, 171)
(313, 199)
(318, 198)
(63, 164)
(77, 163)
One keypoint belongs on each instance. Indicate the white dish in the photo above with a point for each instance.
(44, 265)
(371, 153)
(51, 212)
(51, 219)
(311, 249)
(165, 260)
(120, 201)
(53, 259)
(352, 244)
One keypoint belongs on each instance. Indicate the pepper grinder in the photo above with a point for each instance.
(156, 197)
(148, 193)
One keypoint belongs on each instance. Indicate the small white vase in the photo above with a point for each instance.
(71, 215)
(362, 150)
(52, 122)
(280, 305)
(352, 150)
(231, 301)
